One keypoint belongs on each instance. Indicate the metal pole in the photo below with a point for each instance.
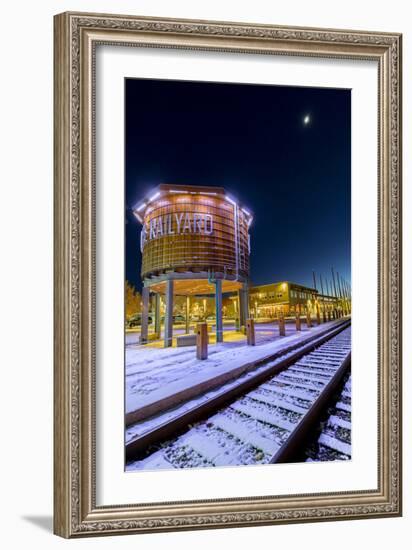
(349, 298)
(341, 293)
(323, 299)
(335, 294)
(333, 279)
(236, 308)
(346, 295)
(314, 280)
(219, 320)
(145, 315)
(235, 215)
(168, 341)
(242, 319)
(246, 293)
(337, 285)
(243, 305)
(187, 314)
(157, 315)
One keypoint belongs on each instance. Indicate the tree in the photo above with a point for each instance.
(133, 300)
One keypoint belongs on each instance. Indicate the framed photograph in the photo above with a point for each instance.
(227, 274)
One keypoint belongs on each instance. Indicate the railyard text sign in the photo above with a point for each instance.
(176, 224)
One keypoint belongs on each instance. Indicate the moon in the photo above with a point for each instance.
(306, 120)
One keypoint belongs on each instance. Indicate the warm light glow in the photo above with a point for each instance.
(168, 220)
(231, 200)
(153, 197)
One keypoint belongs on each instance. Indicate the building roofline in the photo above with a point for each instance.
(155, 192)
(276, 283)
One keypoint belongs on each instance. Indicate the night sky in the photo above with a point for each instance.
(253, 141)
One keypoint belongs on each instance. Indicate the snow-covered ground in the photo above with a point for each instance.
(253, 428)
(161, 377)
(334, 441)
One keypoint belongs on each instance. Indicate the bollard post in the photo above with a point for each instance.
(250, 332)
(282, 331)
(298, 325)
(308, 319)
(201, 340)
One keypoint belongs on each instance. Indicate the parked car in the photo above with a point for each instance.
(179, 319)
(176, 318)
(136, 320)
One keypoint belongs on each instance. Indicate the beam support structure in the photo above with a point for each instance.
(187, 314)
(168, 341)
(144, 333)
(242, 319)
(219, 313)
(243, 305)
(157, 315)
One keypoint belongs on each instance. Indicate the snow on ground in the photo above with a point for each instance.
(154, 374)
(253, 427)
(334, 442)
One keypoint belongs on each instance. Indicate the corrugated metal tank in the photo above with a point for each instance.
(194, 229)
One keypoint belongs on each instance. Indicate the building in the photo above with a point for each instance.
(287, 298)
(195, 243)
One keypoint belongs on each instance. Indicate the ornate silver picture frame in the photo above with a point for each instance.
(76, 37)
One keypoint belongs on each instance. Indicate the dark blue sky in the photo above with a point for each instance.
(251, 140)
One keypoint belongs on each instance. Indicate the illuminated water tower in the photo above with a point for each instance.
(194, 242)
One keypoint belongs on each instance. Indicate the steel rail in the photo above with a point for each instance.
(180, 423)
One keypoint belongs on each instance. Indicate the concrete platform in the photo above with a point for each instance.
(160, 378)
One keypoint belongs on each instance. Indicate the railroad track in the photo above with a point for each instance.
(334, 440)
(267, 423)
